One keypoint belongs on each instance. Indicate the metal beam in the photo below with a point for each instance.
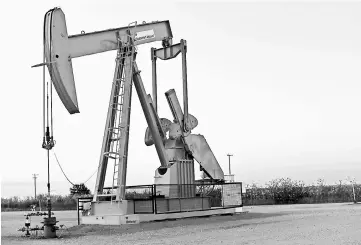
(150, 117)
(154, 79)
(102, 41)
(168, 53)
(61, 48)
(124, 126)
(196, 145)
(103, 161)
(186, 126)
(175, 107)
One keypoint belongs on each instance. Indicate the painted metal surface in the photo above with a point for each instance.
(150, 116)
(116, 219)
(154, 80)
(102, 41)
(177, 112)
(175, 107)
(165, 127)
(195, 144)
(203, 154)
(116, 134)
(167, 52)
(186, 126)
(111, 119)
(103, 161)
(61, 48)
(58, 58)
(124, 127)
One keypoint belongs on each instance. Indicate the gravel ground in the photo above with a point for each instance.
(286, 224)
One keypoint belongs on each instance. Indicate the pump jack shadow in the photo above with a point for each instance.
(222, 222)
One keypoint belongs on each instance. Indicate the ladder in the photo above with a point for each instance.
(116, 135)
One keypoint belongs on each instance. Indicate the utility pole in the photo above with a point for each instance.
(34, 177)
(229, 162)
(352, 182)
(353, 191)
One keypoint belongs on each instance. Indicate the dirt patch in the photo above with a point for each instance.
(288, 224)
(156, 225)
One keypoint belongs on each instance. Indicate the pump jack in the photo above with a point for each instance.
(176, 146)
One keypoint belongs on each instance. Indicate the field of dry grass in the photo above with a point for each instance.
(279, 224)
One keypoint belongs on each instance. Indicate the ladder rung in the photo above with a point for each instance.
(112, 157)
(115, 135)
(116, 108)
(119, 83)
(115, 139)
(109, 154)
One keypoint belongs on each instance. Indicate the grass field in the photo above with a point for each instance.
(279, 224)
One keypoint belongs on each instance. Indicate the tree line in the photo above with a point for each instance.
(276, 191)
(58, 202)
(288, 191)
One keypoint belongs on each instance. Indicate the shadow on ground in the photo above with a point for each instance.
(83, 230)
(221, 222)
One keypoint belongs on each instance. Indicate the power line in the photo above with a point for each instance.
(62, 169)
(91, 176)
(67, 176)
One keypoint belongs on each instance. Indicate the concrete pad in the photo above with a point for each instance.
(138, 218)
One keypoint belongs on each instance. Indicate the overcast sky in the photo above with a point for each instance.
(276, 84)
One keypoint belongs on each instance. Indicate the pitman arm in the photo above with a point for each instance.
(150, 116)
